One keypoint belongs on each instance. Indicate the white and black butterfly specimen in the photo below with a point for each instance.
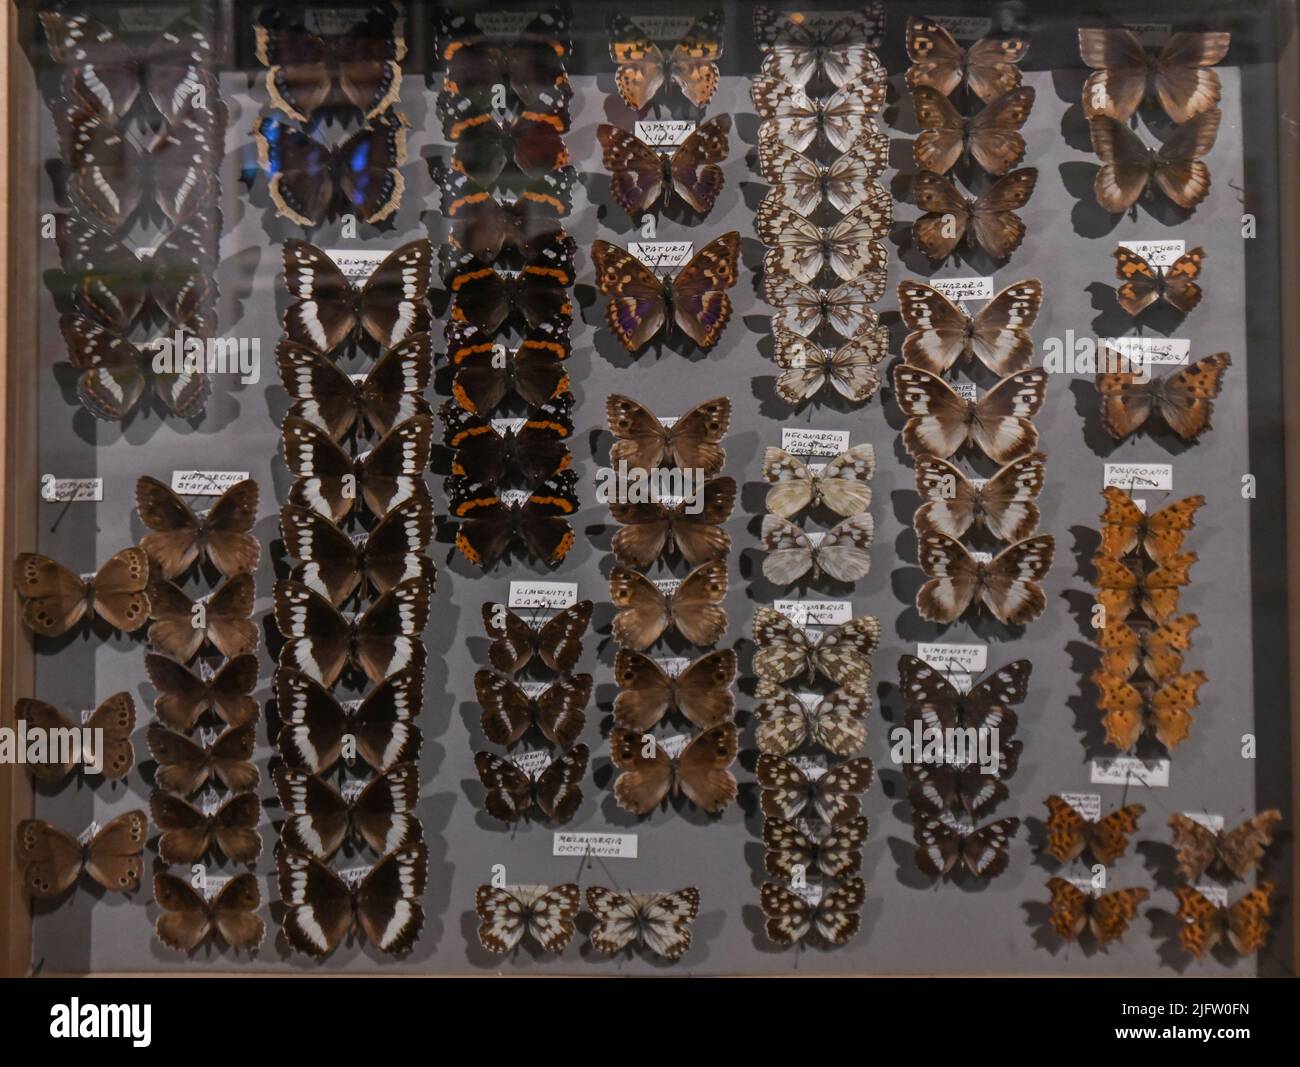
(836, 916)
(841, 552)
(983, 851)
(320, 820)
(789, 793)
(542, 913)
(512, 792)
(659, 921)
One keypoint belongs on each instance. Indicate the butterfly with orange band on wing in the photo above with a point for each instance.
(1124, 71)
(1107, 915)
(527, 450)
(988, 221)
(940, 420)
(1163, 711)
(650, 775)
(531, 63)
(644, 68)
(941, 333)
(1184, 400)
(1008, 585)
(1144, 284)
(1157, 649)
(485, 226)
(1126, 527)
(639, 176)
(487, 371)
(1129, 168)
(1070, 833)
(1122, 589)
(487, 142)
(1237, 851)
(988, 68)
(1003, 504)
(178, 536)
(992, 137)
(539, 292)
(54, 599)
(1244, 922)
(489, 521)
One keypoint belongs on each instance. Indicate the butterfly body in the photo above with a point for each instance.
(660, 921)
(511, 793)
(51, 860)
(543, 913)
(651, 776)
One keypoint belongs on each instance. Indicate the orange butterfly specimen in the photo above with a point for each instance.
(650, 774)
(55, 600)
(1121, 589)
(1131, 710)
(1125, 526)
(1142, 284)
(1184, 400)
(644, 68)
(1070, 833)
(1008, 584)
(1107, 915)
(987, 68)
(1237, 851)
(1244, 923)
(1158, 650)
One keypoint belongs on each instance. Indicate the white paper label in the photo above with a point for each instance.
(514, 497)
(76, 490)
(964, 288)
(663, 27)
(214, 884)
(1086, 804)
(354, 262)
(813, 767)
(605, 846)
(980, 556)
(205, 483)
(808, 700)
(1129, 770)
(532, 761)
(672, 746)
(1139, 477)
(334, 21)
(965, 27)
(667, 586)
(815, 612)
(1157, 253)
(810, 892)
(352, 876)
(532, 690)
(89, 832)
(664, 134)
(970, 658)
(801, 442)
(965, 390)
(1153, 351)
(557, 595)
(1215, 894)
(352, 789)
(662, 255)
(509, 426)
(1213, 823)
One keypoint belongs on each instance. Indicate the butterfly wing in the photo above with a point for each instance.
(1186, 397)
(666, 921)
(647, 771)
(636, 173)
(701, 307)
(937, 417)
(1003, 427)
(1179, 170)
(1241, 849)
(637, 309)
(696, 176)
(694, 60)
(1120, 68)
(954, 578)
(1010, 586)
(1184, 86)
(114, 856)
(559, 787)
(994, 223)
(702, 768)
(318, 904)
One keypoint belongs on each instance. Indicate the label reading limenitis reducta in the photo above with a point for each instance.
(1157, 253)
(355, 263)
(1139, 477)
(1213, 823)
(662, 255)
(815, 612)
(804, 442)
(205, 483)
(664, 134)
(964, 288)
(557, 595)
(1153, 351)
(1129, 770)
(1086, 804)
(965, 27)
(604, 846)
(944, 657)
(75, 490)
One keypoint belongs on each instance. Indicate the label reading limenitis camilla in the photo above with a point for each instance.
(557, 595)
(1129, 770)
(1213, 823)
(662, 255)
(139, 18)
(604, 846)
(205, 483)
(944, 657)
(663, 27)
(815, 612)
(1086, 804)
(664, 134)
(532, 761)
(333, 21)
(1157, 253)
(75, 490)
(1139, 477)
(355, 263)
(1153, 351)
(964, 288)
(965, 27)
(805, 442)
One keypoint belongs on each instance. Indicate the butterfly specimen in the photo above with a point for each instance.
(189, 832)
(485, 226)
(1107, 915)
(989, 221)
(328, 308)
(492, 452)
(331, 482)
(1144, 284)
(222, 619)
(1176, 168)
(690, 441)
(1070, 833)
(324, 395)
(785, 650)
(337, 565)
(322, 908)
(835, 722)
(189, 918)
(939, 788)
(641, 303)
(320, 820)
(114, 718)
(1122, 589)
(1126, 527)
(940, 420)
(187, 764)
(54, 599)
(511, 792)
(991, 137)
(795, 49)
(644, 68)
(317, 730)
(840, 552)
(692, 526)
(1184, 400)
(843, 484)
(1236, 851)
(384, 639)
(789, 793)
(841, 118)
(543, 913)
(846, 309)
(836, 917)
(489, 525)
(185, 696)
(1003, 504)
(1244, 922)
(800, 249)
(360, 68)
(1164, 710)
(50, 860)
(646, 612)
(539, 292)
(987, 68)
(531, 65)
(178, 536)
(846, 183)
(701, 690)
(943, 333)
(650, 775)
(487, 142)
(660, 921)
(788, 850)
(487, 371)
(986, 705)
(558, 711)
(1157, 649)
(1124, 71)
(515, 642)
(113, 372)
(983, 851)
(1007, 585)
(639, 176)
(850, 369)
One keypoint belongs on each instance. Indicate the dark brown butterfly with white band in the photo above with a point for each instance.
(692, 526)
(189, 917)
(988, 68)
(691, 440)
(186, 765)
(557, 642)
(1129, 168)
(843, 484)
(512, 792)
(991, 137)
(841, 118)
(660, 921)
(940, 788)
(802, 184)
(836, 917)
(1184, 399)
(647, 612)
(840, 552)
(639, 176)
(50, 860)
(988, 221)
(543, 913)
(558, 711)
(785, 651)
(650, 775)
(178, 536)
(833, 854)
(800, 249)
(835, 722)
(942, 333)
(54, 599)
(222, 619)
(322, 908)
(320, 820)
(1007, 585)
(189, 832)
(700, 690)
(184, 696)
(983, 851)
(846, 309)
(835, 795)
(1124, 71)
(114, 720)
(1144, 284)
(986, 705)
(940, 420)
(850, 369)
(1003, 504)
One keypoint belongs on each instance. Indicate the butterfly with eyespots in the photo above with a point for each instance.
(542, 913)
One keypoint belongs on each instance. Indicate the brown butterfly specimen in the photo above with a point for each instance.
(319, 819)
(1158, 650)
(1107, 915)
(185, 765)
(1244, 922)
(511, 792)
(692, 441)
(989, 221)
(987, 68)
(1121, 589)
(1070, 833)
(646, 612)
(54, 599)
(1003, 504)
(51, 860)
(178, 536)
(940, 421)
(1160, 534)
(1237, 851)
(115, 717)
(184, 696)
(650, 775)
(189, 918)
(1007, 585)
(639, 176)
(701, 690)
(660, 921)
(223, 618)
(1184, 400)
(558, 711)
(1165, 711)
(836, 917)
(557, 642)
(992, 137)
(1129, 168)
(786, 651)
(942, 333)
(1124, 71)
(843, 484)
(1142, 284)
(188, 833)
(693, 526)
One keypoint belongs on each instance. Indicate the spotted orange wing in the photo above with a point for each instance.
(1241, 849)
(1069, 907)
(1171, 708)
(1112, 912)
(1108, 837)
(1247, 919)
(1125, 526)
(1202, 921)
(1139, 281)
(1066, 831)
(1186, 397)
